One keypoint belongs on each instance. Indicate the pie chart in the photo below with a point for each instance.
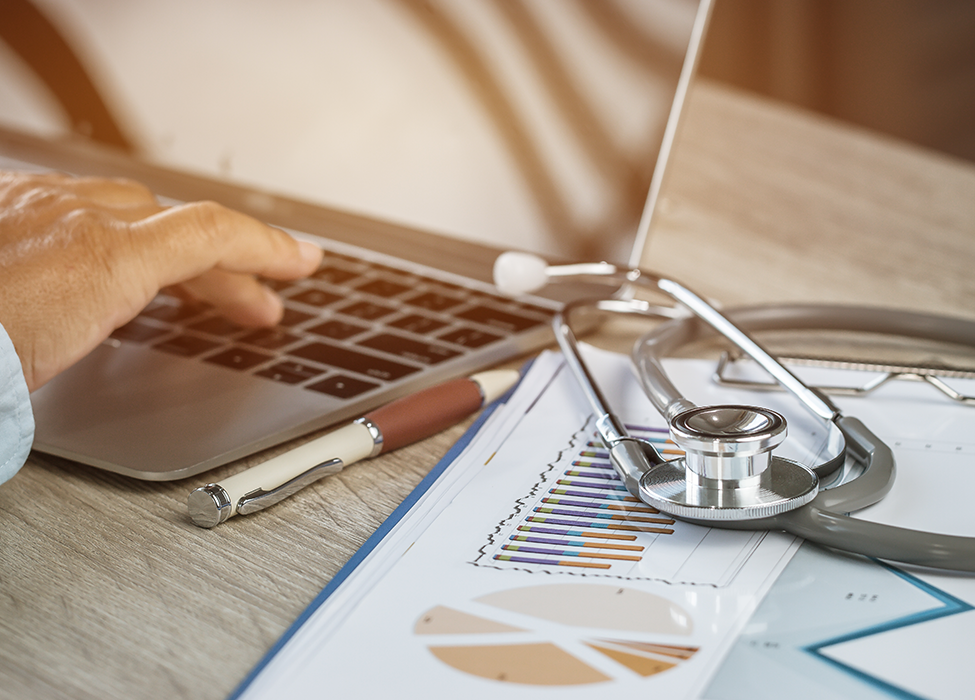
(534, 635)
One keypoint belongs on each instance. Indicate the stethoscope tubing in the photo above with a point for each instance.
(826, 519)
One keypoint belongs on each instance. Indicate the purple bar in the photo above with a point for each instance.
(583, 494)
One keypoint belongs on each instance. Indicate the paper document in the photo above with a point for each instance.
(522, 567)
(528, 567)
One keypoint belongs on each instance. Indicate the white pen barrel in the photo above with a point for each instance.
(349, 443)
(399, 423)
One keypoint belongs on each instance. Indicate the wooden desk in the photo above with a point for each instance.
(108, 590)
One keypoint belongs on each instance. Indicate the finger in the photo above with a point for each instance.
(183, 242)
(238, 297)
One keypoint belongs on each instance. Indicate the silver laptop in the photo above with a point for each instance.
(393, 308)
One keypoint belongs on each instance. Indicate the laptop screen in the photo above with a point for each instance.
(533, 124)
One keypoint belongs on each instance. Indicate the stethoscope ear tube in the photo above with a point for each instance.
(821, 523)
(870, 539)
(873, 483)
(879, 541)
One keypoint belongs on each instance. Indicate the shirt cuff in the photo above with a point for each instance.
(16, 415)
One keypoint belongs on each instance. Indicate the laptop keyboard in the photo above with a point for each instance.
(351, 327)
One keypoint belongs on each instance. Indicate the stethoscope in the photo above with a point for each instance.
(728, 476)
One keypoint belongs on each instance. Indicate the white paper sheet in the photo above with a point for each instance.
(523, 569)
(601, 593)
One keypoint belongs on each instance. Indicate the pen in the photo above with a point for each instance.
(389, 427)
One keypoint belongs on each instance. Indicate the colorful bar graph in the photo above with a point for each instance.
(605, 516)
(574, 533)
(589, 485)
(550, 562)
(625, 496)
(571, 543)
(606, 526)
(585, 516)
(596, 507)
(568, 552)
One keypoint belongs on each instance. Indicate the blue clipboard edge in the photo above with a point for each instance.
(381, 532)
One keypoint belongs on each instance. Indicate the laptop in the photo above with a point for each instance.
(394, 307)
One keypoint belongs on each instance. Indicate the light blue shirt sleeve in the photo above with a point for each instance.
(16, 415)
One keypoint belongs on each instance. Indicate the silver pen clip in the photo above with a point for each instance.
(259, 499)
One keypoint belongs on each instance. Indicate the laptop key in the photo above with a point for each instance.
(216, 325)
(336, 330)
(289, 372)
(293, 317)
(358, 362)
(366, 310)
(269, 338)
(138, 331)
(502, 320)
(175, 313)
(315, 297)
(334, 275)
(342, 387)
(186, 345)
(238, 358)
(415, 323)
(414, 350)
(383, 288)
(433, 301)
(470, 337)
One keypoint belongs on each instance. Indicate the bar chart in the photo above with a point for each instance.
(579, 518)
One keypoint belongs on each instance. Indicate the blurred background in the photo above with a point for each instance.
(901, 67)
(248, 90)
(529, 123)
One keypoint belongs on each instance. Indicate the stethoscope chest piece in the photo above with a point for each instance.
(728, 471)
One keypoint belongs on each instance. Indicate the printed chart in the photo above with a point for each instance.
(579, 518)
(559, 635)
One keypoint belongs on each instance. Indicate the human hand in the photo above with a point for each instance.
(80, 257)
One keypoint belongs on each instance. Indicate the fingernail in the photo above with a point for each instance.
(309, 251)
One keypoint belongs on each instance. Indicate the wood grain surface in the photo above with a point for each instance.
(107, 590)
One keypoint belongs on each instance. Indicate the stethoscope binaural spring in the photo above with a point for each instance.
(729, 476)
